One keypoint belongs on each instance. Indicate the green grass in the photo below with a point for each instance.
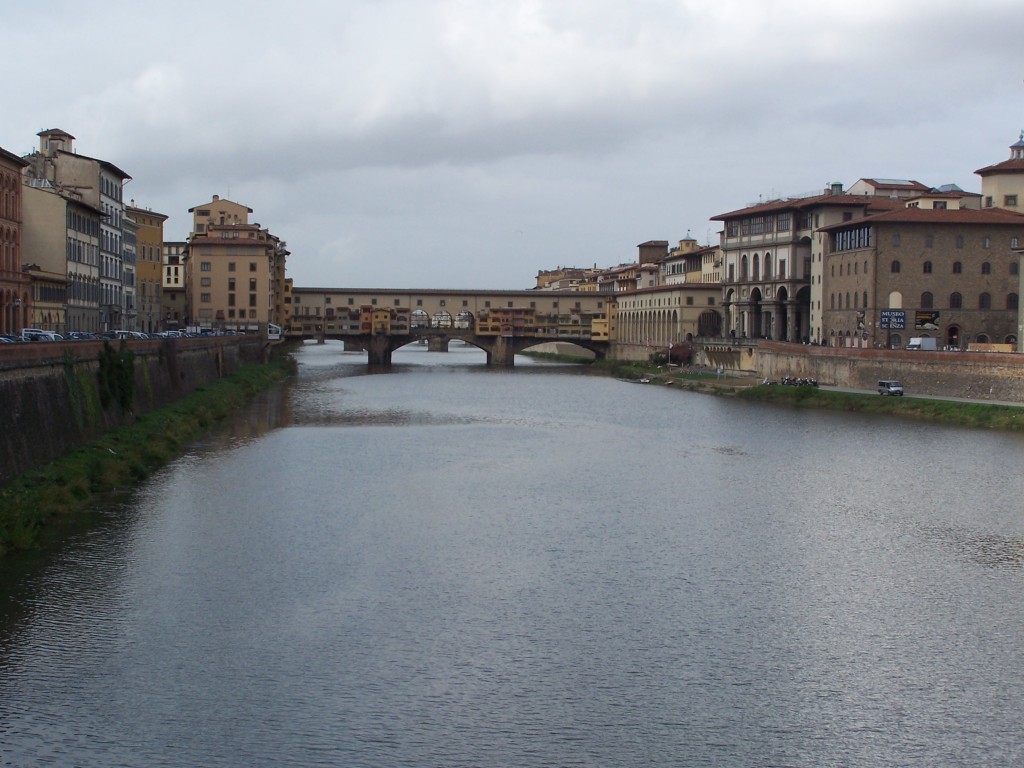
(979, 415)
(123, 457)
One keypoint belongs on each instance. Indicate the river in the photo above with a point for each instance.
(451, 565)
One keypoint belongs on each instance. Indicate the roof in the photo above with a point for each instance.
(1007, 166)
(896, 184)
(936, 216)
(795, 204)
(216, 200)
(13, 158)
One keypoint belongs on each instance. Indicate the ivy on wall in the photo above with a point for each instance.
(116, 376)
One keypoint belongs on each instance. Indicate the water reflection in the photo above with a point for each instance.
(452, 565)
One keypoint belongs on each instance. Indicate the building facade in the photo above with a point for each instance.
(148, 267)
(772, 260)
(952, 275)
(14, 297)
(173, 297)
(100, 185)
(234, 270)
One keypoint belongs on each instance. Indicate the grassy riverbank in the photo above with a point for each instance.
(124, 456)
(955, 413)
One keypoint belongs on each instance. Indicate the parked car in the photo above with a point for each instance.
(890, 387)
(82, 336)
(37, 334)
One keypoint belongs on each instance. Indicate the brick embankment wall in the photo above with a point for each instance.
(50, 401)
(976, 375)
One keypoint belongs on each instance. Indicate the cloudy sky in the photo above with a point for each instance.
(471, 143)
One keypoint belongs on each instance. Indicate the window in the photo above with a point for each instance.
(204, 298)
(929, 241)
(689, 301)
(1011, 301)
(896, 239)
(252, 302)
(957, 267)
(926, 300)
(204, 282)
(231, 300)
(252, 266)
(955, 301)
(252, 283)
(1014, 268)
(959, 241)
(939, 205)
(986, 268)
(1013, 242)
(231, 266)
(1010, 201)
(927, 267)
(894, 267)
(985, 301)
(988, 202)
(205, 266)
(986, 243)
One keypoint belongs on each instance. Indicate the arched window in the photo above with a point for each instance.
(895, 267)
(743, 267)
(1011, 301)
(955, 300)
(985, 301)
(865, 302)
(927, 267)
(757, 267)
(832, 301)
(986, 268)
(847, 299)
(957, 267)
(1014, 268)
(926, 300)
(767, 266)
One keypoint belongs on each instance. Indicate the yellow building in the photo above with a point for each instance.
(148, 267)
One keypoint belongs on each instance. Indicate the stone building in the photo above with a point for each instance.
(949, 274)
(771, 262)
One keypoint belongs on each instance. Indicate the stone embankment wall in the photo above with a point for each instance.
(975, 375)
(55, 397)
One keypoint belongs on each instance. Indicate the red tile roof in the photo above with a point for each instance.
(1007, 166)
(936, 216)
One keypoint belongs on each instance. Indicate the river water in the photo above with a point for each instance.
(451, 565)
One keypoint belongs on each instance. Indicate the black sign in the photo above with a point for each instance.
(926, 320)
(895, 319)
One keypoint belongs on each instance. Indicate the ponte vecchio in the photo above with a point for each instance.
(502, 323)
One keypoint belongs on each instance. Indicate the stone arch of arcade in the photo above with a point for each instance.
(502, 323)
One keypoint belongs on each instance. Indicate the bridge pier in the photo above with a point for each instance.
(379, 350)
(437, 344)
(502, 352)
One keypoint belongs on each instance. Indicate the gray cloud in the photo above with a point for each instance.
(458, 143)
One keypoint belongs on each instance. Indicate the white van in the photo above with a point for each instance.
(890, 387)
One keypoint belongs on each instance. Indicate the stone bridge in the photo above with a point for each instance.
(502, 323)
